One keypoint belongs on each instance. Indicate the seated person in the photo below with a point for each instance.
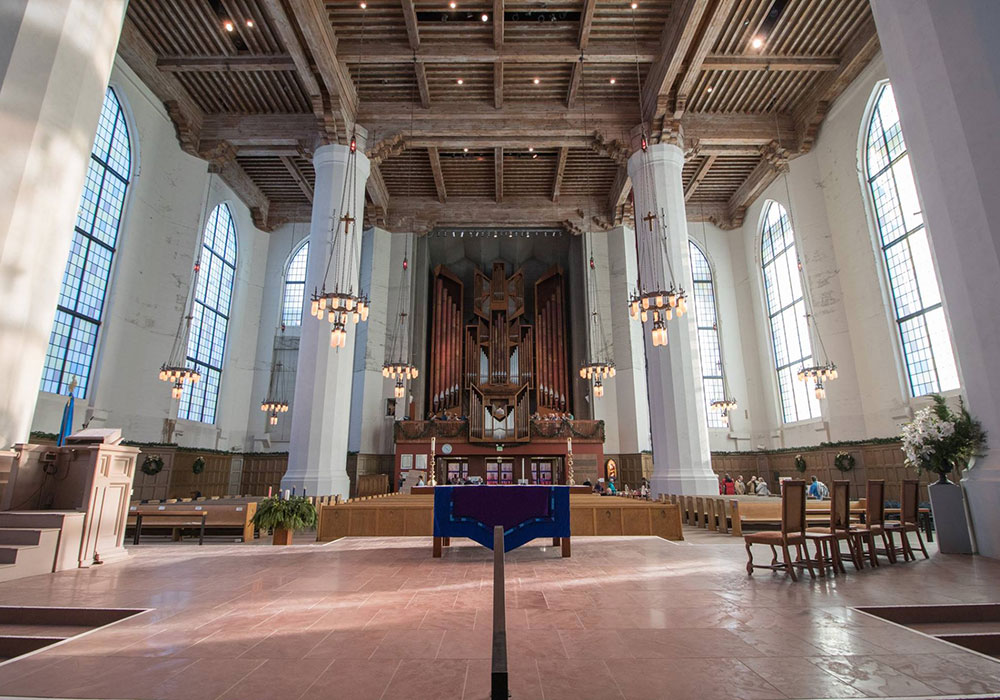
(818, 490)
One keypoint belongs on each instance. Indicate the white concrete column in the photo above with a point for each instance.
(317, 459)
(55, 61)
(629, 353)
(681, 457)
(944, 65)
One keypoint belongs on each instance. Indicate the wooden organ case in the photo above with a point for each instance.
(489, 369)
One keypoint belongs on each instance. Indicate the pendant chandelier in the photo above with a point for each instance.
(656, 296)
(340, 300)
(397, 365)
(825, 371)
(599, 367)
(727, 404)
(175, 369)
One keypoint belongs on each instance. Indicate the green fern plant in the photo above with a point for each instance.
(295, 513)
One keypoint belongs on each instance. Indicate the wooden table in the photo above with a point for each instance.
(191, 517)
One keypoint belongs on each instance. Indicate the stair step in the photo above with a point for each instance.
(985, 643)
(23, 535)
(58, 617)
(10, 552)
(15, 645)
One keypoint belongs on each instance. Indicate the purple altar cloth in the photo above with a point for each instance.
(504, 505)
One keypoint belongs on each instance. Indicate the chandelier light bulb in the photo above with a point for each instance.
(645, 303)
(485, 17)
(228, 26)
(249, 24)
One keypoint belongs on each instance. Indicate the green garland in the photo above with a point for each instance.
(198, 466)
(800, 463)
(844, 461)
(152, 465)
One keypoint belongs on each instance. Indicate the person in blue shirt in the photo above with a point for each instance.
(818, 490)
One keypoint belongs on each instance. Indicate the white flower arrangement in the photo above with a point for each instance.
(939, 439)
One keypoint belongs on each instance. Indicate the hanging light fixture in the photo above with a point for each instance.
(175, 369)
(599, 367)
(275, 403)
(656, 296)
(341, 305)
(826, 371)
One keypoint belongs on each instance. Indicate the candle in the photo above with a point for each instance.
(269, 489)
(569, 445)
(433, 444)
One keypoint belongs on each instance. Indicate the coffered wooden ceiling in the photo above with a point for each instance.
(525, 117)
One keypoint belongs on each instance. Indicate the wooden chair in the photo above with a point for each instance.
(793, 532)
(827, 539)
(874, 524)
(909, 521)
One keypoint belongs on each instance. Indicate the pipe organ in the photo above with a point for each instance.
(499, 368)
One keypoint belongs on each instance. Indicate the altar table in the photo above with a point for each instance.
(524, 512)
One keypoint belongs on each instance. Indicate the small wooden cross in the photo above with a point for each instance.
(649, 218)
(348, 220)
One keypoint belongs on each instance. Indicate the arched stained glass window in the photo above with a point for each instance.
(706, 319)
(295, 287)
(923, 331)
(786, 312)
(210, 324)
(95, 237)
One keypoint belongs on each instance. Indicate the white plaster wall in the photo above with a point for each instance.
(158, 241)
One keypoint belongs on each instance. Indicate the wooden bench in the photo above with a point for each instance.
(172, 519)
(220, 518)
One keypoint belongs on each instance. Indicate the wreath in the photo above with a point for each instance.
(800, 463)
(198, 466)
(152, 465)
(844, 461)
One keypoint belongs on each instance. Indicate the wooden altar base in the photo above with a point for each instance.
(406, 515)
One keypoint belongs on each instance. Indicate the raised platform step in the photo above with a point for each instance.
(23, 560)
(974, 626)
(27, 629)
(30, 536)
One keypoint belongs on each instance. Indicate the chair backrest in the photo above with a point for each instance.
(909, 505)
(793, 506)
(840, 506)
(875, 504)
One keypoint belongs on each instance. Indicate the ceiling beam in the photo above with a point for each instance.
(498, 173)
(619, 191)
(812, 110)
(425, 91)
(435, 158)
(498, 85)
(560, 169)
(773, 163)
(322, 43)
(222, 162)
(675, 39)
(185, 114)
(738, 129)
(498, 11)
(297, 175)
(775, 63)
(713, 26)
(422, 214)
(376, 188)
(586, 22)
(225, 64)
(574, 84)
(259, 129)
(410, 15)
(461, 53)
(699, 176)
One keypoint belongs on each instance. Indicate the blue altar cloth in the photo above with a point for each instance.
(525, 512)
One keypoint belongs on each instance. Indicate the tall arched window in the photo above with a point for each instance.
(95, 237)
(786, 311)
(295, 287)
(923, 332)
(212, 299)
(706, 318)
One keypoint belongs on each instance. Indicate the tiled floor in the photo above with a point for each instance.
(623, 618)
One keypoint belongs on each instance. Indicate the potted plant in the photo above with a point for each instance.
(941, 441)
(284, 516)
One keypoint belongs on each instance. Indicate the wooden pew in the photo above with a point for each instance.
(220, 518)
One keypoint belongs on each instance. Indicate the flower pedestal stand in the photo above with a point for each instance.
(950, 520)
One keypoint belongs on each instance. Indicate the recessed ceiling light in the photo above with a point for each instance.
(465, 150)
(531, 149)
(364, 6)
(709, 89)
(612, 81)
(757, 42)
(635, 5)
(459, 81)
(453, 5)
(228, 26)
(250, 23)
(536, 81)
(485, 17)
(534, 155)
